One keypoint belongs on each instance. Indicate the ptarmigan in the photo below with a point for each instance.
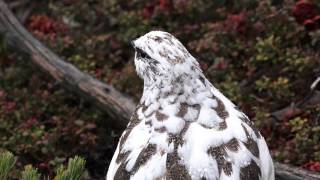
(183, 127)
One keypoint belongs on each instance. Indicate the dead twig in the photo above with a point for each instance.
(310, 100)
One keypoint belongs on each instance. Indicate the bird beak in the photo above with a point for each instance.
(133, 45)
(135, 49)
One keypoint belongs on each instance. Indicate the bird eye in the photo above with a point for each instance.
(142, 54)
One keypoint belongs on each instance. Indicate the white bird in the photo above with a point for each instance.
(184, 128)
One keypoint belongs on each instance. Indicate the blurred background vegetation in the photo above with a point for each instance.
(264, 55)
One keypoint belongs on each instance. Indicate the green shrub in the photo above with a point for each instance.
(30, 173)
(74, 170)
(7, 161)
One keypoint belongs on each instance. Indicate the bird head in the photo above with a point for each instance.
(160, 56)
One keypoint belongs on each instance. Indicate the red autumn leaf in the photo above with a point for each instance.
(316, 20)
(221, 65)
(2, 94)
(236, 23)
(98, 72)
(164, 5)
(10, 106)
(42, 25)
(303, 10)
(310, 25)
(312, 166)
(148, 10)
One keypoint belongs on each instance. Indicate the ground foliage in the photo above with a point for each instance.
(262, 54)
(73, 171)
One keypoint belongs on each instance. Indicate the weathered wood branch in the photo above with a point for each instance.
(102, 95)
(285, 172)
(118, 106)
(315, 84)
(294, 109)
(310, 100)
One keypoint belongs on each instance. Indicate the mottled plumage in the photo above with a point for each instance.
(183, 127)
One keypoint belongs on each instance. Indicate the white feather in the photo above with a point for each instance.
(172, 77)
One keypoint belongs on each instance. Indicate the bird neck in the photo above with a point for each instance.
(173, 104)
(186, 85)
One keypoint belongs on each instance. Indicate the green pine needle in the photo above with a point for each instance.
(7, 161)
(74, 170)
(30, 173)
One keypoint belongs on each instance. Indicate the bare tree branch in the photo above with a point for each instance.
(118, 106)
(285, 172)
(294, 109)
